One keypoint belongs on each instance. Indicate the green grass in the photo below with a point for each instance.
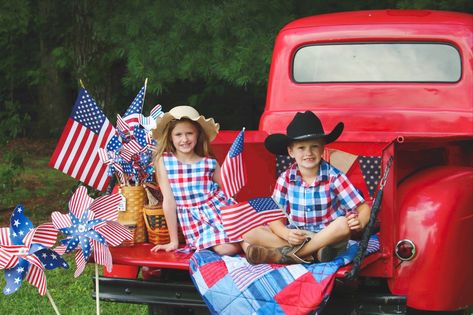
(43, 190)
(72, 296)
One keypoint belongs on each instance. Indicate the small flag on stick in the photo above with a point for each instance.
(242, 217)
(232, 170)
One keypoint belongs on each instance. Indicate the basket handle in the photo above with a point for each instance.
(146, 220)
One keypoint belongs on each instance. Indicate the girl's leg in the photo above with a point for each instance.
(227, 249)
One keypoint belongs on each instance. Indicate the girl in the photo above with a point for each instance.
(189, 180)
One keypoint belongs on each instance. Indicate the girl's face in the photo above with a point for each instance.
(184, 137)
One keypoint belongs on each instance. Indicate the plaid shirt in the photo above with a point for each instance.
(312, 207)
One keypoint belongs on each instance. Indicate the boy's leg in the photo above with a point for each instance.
(337, 231)
(329, 252)
(263, 236)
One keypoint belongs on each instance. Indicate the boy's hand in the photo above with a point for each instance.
(296, 237)
(353, 222)
(167, 247)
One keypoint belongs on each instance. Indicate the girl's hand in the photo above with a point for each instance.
(353, 222)
(167, 247)
(296, 237)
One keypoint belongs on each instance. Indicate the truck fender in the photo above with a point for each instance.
(436, 214)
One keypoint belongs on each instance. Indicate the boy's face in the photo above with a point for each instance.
(307, 154)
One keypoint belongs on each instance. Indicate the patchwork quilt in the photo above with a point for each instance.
(230, 285)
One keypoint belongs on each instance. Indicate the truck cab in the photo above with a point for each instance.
(402, 83)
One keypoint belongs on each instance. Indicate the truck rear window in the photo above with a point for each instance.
(377, 62)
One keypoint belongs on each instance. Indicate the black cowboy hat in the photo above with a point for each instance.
(304, 126)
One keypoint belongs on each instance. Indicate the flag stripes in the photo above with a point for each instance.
(5, 236)
(232, 171)
(102, 255)
(76, 153)
(106, 207)
(79, 202)
(45, 234)
(241, 218)
(37, 278)
(115, 233)
(80, 263)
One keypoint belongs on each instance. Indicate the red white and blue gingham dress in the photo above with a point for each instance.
(198, 200)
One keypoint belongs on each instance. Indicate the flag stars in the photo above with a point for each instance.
(17, 280)
(16, 223)
(20, 269)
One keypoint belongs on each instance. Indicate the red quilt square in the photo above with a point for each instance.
(304, 294)
(214, 271)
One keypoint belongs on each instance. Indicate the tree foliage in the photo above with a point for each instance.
(214, 55)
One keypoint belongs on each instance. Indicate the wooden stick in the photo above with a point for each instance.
(144, 93)
(52, 302)
(97, 299)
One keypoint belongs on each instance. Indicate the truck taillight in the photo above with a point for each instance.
(405, 250)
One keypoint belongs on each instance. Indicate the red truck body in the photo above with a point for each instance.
(423, 119)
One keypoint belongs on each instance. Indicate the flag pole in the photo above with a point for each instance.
(97, 299)
(81, 84)
(144, 94)
(288, 217)
(50, 298)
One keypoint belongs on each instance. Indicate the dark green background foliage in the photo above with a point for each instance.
(214, 55)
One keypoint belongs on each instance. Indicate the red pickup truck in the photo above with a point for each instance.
(402, 82)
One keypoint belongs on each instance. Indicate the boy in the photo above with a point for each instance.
(321, 203)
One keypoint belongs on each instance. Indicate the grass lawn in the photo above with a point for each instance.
(43, 190)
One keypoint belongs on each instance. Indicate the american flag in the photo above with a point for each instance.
(233, 171)
(90, 227)
(76, 153)
(242, 217)
(133, 113)
(25, 252)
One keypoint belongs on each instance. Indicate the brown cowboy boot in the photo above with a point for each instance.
(257, 254)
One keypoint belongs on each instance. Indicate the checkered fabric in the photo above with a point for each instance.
(313, 206)
(230, 285)
(198, 199)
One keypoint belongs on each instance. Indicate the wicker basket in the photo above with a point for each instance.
(158, 232)
(132, 218)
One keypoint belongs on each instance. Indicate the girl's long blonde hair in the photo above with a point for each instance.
(202, 147)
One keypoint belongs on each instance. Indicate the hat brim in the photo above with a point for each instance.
(278, 142)
(209, 125)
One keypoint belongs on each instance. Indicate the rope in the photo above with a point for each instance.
(353, 273)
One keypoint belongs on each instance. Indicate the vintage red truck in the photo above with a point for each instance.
(402, 82)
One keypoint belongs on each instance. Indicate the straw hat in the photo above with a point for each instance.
(304, 126)
(209, 125)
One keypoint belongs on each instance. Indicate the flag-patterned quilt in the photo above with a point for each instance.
(230, 285)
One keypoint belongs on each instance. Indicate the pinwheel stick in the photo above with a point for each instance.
(97, 293)
(52, 302)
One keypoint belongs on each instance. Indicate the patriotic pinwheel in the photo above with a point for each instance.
(25, 252)
(128, 154)
(90, 226)
(149, 122)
